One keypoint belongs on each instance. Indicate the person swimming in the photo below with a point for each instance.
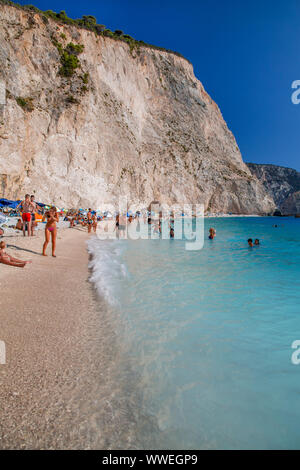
(250, 242)
(256, 242)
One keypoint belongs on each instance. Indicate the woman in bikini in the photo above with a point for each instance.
(51, 229)
(95, 223)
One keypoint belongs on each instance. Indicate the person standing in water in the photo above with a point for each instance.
(212, 233)
(51, 229)
(94, 222)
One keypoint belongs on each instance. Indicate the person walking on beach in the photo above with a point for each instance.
(34, 209)
(27, 208)
(51, 229)
(9, 260)
(89, 220)
(94, 223)
(122, 225)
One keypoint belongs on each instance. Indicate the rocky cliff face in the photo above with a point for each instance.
(129, 121)
(282, 184)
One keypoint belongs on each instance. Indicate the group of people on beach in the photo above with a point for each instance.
(87, 219)
(29, 208)
(90, 220)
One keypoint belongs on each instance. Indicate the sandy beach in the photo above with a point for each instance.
(56, 387)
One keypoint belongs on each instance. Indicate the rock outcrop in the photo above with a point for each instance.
(127, 121)
(282, 184)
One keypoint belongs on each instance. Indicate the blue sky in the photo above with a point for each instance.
(246, 54)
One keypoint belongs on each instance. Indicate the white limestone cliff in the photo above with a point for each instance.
(143, 126)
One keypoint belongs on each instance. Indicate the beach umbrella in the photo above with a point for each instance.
(9, 203)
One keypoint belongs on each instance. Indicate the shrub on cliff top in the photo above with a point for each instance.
(88, 22)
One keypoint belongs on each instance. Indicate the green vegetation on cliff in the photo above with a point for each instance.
(89, 23)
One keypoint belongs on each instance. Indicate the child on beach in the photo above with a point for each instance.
(9, 260)
(19, 225)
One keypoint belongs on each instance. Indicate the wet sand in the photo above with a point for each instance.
(60, 387)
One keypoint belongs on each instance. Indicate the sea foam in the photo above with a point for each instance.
(107, 269)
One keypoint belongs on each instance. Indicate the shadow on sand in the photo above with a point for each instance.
(23, 249)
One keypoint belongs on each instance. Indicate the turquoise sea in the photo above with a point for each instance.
(208, 333)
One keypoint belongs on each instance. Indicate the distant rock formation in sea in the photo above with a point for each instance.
(282, 184)
(88, 118)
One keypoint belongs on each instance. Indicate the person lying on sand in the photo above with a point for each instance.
(51, 229)
(9, 260)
